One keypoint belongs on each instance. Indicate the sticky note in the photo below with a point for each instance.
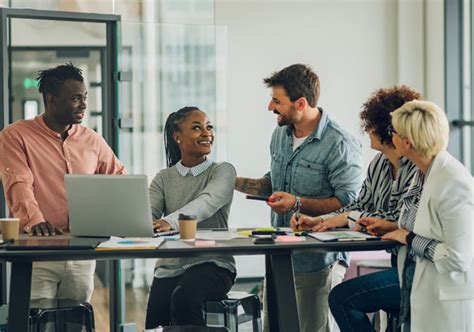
(289, 238)
(204, 243)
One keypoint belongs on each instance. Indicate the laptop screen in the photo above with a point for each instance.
(109, 205)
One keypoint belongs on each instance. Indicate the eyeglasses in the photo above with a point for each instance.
(391, 131)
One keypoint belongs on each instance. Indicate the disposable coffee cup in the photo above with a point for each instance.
(187, 227)
(10, 228)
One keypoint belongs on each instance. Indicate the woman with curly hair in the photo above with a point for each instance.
(388, 175)
(387, 182)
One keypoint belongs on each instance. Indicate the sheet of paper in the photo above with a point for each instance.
(131, 243)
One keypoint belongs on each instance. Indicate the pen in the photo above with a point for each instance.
(353, 239)
(360, 239)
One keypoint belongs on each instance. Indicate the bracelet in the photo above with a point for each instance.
(297, 207)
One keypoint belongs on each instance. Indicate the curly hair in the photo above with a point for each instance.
(298, 80)
(376, 111)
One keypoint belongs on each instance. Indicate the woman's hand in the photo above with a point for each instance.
(331, 223)
(376, 226)
(161, 225)
(303, 222)
(399, 235)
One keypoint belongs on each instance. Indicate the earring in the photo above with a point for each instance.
(178, 141)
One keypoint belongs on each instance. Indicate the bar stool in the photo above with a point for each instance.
(229, 309)
(392, 321)
(61, 312)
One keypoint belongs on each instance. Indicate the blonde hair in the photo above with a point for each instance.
(425, 126)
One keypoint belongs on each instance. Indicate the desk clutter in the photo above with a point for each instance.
(204, 238)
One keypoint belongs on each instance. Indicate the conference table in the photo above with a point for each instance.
(283, 313)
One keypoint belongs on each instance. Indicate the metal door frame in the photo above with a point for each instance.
(110, 111)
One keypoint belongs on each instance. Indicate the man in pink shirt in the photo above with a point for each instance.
(34, 156)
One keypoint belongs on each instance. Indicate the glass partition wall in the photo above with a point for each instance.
(34, 40)
(159, 68)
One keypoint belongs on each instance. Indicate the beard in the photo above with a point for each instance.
(282, 120)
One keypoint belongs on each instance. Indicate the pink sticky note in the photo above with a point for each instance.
(204, 243)
(289, 238)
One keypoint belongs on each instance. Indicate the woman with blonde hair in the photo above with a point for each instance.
(435, 263)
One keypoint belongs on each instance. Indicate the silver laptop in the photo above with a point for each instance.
(109, 205)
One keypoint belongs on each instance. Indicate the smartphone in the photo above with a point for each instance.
(258, 198)
(264, 240)
(275, 232)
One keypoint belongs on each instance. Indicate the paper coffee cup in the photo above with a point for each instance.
(10, 228)
(187, 227)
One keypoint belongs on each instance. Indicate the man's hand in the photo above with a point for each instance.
(331, 223)
(377, 226)
(44, 228)
(399, 235)
(281, 202)
(303, 222)
(161, 225)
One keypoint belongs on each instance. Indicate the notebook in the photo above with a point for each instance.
(342, 236)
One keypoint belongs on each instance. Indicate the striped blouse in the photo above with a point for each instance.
(421, 246)
(380, 196)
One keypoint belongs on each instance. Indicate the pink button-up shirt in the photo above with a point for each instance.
(33, 161)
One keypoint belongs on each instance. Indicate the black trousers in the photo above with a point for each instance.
(178, 300)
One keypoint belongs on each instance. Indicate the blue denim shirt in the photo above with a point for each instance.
(327, 164)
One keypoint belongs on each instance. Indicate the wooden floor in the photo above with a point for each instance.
(135, 301)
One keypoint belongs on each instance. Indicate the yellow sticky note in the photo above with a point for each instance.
(265, 229)
(245, 233)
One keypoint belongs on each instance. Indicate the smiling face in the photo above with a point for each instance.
(69, 106)
(195, 136)
(281, 105)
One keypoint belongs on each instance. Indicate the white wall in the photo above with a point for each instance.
(352, 45)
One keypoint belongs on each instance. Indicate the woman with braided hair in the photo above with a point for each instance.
(192, 185)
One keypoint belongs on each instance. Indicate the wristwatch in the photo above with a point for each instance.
(409, 238)
(297, 207)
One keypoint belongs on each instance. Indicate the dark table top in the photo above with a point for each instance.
(177, 248)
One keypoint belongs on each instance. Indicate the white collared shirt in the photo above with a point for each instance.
(195, 170)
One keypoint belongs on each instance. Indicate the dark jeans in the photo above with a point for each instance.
(351, 300)
(177, 300)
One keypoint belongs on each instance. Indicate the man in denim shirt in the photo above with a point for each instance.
(316, 168)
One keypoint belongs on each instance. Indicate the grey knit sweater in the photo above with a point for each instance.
(207, 195)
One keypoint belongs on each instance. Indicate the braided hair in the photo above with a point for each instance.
(173, 153)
